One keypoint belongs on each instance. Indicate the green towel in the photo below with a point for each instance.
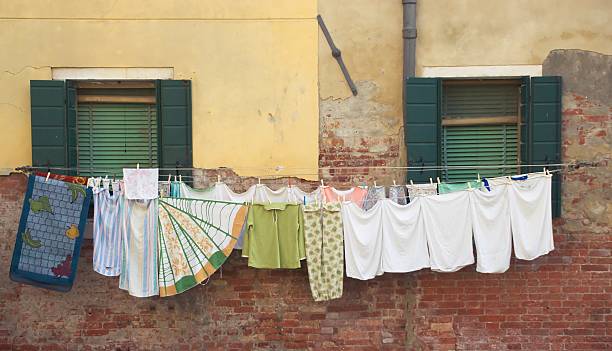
(444, 188)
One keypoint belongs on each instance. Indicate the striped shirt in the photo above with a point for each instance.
(139, 274)
(107, 232)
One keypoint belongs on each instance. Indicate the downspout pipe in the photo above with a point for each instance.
(409, 34)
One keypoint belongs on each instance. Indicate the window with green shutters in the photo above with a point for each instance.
(99, 127)
(504, 124)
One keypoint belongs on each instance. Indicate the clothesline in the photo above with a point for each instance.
(279, 169)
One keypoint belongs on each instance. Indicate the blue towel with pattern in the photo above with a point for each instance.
(50, 233)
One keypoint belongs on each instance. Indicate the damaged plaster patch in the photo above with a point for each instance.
(586, 73)
(363, 113)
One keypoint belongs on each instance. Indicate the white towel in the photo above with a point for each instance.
(531, 216)
(449, 230)
(362, 240)
(141, 184)
(404, 245)
(491, 224)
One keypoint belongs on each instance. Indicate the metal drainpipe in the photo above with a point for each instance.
(409, 33)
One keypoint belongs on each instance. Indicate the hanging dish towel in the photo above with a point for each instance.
(108, 231)
(51, 227)
(141, 184)
(324, 249)
(531, 216)
(362, 240)
(355, 194)
(448, 227)
(397, 194)
(139, 255)
(195, 239)
(415, 190)
(275, 236)
(375, 194)
(404, 243)
(490, 212)
(445, 188)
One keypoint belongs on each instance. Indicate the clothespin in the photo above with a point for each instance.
(394, 182)
(48, 175)
(304, 200)
(430, 181)
(411, 183)
(138, 166)
(175, 178)
(375, 184)
(259, 181)
(478, 176)
(169, 178)
(218, 178)
(469, 185)
(322, 183)
(438, 180)
(180, 178)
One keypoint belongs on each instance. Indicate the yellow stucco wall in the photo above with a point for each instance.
(253, 66)
(501, 32)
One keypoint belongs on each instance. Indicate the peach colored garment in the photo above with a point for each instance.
(356, 195)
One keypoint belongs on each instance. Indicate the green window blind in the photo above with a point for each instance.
(113, 136)
(482, 145)
(480, 100)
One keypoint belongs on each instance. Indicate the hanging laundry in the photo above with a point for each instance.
(404, 243)
(415, 190)
(258, 193)
(300, 196)
(139, 263)
(209, 193)
(195, 239)
(397, 194)
(445, 188)
(363, 240)
(375, 194)
(175, 189)
(490, 212)
(50, 233)
(275, 236)
(531, 216)
(141, 184)
(490, 183)
(108, 230)
(324, 249)
(449, 230)
(164, 189)
(355, 194)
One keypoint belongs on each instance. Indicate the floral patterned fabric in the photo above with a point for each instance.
(195, 239)
(324, 250)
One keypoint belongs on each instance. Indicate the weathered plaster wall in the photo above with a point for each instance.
(253, 66)
(498, 32)
(363, 130)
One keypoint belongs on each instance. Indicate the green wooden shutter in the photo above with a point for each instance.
(71, 126)
(48, 117)
(525, 112)
(174, 106)
(545, 129)
(422, 123)
(116, 136)
(482, 145)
